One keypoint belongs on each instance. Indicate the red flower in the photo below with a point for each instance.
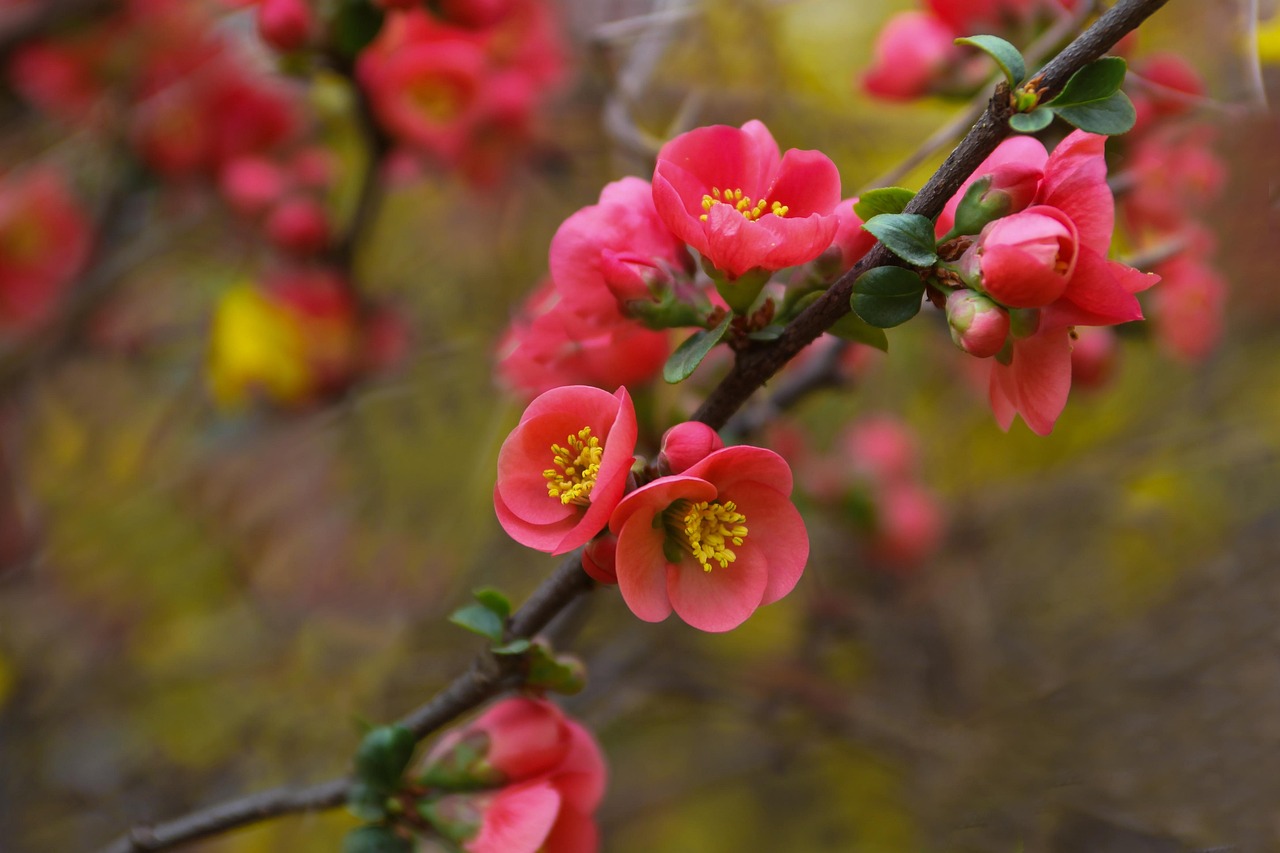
(713, 543)
(912, 53)
(563, 469)
(730, 194)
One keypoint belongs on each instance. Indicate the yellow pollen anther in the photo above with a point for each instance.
(744, 204)
(576, 467)
(707, 529)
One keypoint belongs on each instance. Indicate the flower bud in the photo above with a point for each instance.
(1007, 189)
(631, 277)
(284, 24)
(978, 325)
(299, 225)
(599, 559)
(1026, 260)
(687, 444)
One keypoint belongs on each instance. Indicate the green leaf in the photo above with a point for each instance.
(1110, 117)
(515, 647)
(907, 235)
(375, 839)
(1097, 81)
(1006, 56)
(1037, 119)
(887, 296)
(494, 599)
(851, 327)
(884, 200)
(479, 619)
(354, 25)
(560, 673)
(382, 757)
(366, 802)
(771, 332)
(689, 355)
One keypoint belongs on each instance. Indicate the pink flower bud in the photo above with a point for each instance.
(1027, 259)
(909, 527)
(687, 444)
(911, 52)
(299, 225)
(978, 325)
(599, 559)
(1093, 356)
(284, 24)
(251, 184)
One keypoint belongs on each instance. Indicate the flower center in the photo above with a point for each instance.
(706, 530)
(752, 210)
(575, 468)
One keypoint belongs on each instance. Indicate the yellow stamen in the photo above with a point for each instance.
(707, 529)
(752, 210)
(576, 468)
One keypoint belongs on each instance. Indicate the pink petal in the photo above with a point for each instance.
(581, 778)
(583, 401)
(807, 183)
(1018, 279)
(1042, 374)
(652, 498)
(517, 820)
(1023, 150)
(574, 832)
(677, 195)
(525, 455)
(540, 537)
(1095, 296)
(797, 241)
(742, 463)
(723, 598)
(777, 530)
(642, 569)
(1075, 182)
(1003, 394)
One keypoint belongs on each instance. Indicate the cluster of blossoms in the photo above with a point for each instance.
(462, 87)
(520, 778)
(708, 531)
(45, 239)
(871, 473)
(916, 54)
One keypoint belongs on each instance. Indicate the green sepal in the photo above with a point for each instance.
(691, 352)
(742, 292)
(494, 599)
(882, 200)
(908, 235)
(558, 673)
(1008, 57)
(1032, 122)
(670, 313)
(887, 296)
(463, 767)
(375, 839)
(366, 802)
(383, 755)
(771, 332)
(851, 327)
(516, 647)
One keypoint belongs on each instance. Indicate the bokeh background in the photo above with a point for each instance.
(198, 601)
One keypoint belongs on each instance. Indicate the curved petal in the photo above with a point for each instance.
(1095, 296)
(524, 456)
(611, 481)
(581, 778)
(642, 569)
(677, 195)
(652, 498)
(1003, 394)
(593, 406)
(540, 537)
(574, 832)
(1042, 375)
(798, 241)
(1017, 279)
(807, 182)
(777, 530)
(742, 463)
(725, 157)
(518, 819)
(723, 598)
(1075, 182)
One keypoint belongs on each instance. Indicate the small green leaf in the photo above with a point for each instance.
(771, 332)
(887, 296)
(559, 673)
(884, 200)
(851, 327)
(1037, 119)
(375, 839)
(383, 755)
(494, 599)
(366, 802)
(515, 647)
(907, 235)
(479, 619)
(1110, 117)
(1097, 81)
(1006, 56)
(689, 355)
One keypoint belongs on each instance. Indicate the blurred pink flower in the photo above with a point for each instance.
(564, 468)
(712, 543)
(285, 24)
(730, 194)
(1188, 308)
(911, 54)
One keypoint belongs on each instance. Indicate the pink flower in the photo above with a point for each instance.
(551, 770)
(851, 240)
(1166, 86)
(1175, 175)
(911, 54)
(730, 194)
(881, 449)
(299, 225)
(686, 444)
(712, 543)
(1094, 354)
(607, 254)
(1188, 308)
(1026, 260)
(563, 469)
(551, 343)
(908, 526)
(285, 24)
(251, 184)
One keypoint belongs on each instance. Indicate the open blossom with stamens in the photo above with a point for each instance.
(731, 194)
(712, 543)
(563, 469)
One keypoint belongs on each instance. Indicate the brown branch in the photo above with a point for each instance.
(486, 677)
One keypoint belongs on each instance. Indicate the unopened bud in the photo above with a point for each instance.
(1009, 188)
(978, 325)
(686, 444)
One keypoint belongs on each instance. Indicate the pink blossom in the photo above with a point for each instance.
(1165, 85)
(851, 240)
(563, 469)
(970, 16)
(551, 343)
(608, 254)
(251, 184)
(730, 194)
(299, 225)
(1175, 175)
(599, 559)
(1026, 260)
(911, 54)
(1188, 308)
(908, 526)
(1094, 353)
(686, 444)
(285, 24)
(882, 449)
(712, 543)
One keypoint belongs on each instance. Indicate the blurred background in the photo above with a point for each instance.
(249, 419)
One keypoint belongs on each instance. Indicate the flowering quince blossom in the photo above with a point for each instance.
(544, 776)
(713, 543)
(1050, 258)
(911, 54)
(564, 468)
(731, 195)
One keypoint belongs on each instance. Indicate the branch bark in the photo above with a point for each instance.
(486, 677)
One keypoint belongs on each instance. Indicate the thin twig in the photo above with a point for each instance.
(750, 372)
